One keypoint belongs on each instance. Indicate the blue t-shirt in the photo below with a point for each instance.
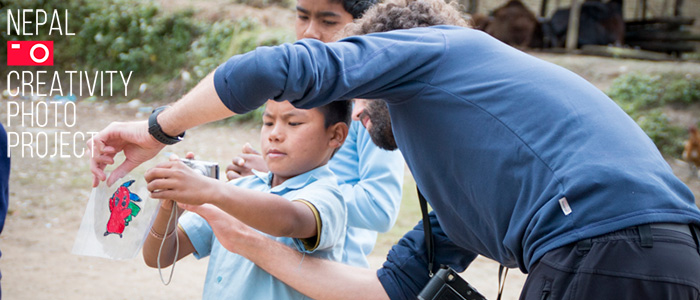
(231, 276)
(517, 156)
(370, 179)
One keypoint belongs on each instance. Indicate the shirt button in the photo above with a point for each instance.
(218, 279)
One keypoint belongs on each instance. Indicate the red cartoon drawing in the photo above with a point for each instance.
(122, 208)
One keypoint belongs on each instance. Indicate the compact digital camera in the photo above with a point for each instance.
(446, 284)
(206, 168)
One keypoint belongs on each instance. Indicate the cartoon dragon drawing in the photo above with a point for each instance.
(122, 208)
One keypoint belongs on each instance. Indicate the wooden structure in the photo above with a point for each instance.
(661, 35)
(665, 34)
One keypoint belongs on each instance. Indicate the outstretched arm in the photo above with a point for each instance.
(175, 181)
(316, 278)
(201, 105)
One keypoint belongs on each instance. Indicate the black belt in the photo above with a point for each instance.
(645, 235)
(690, 230)
(682, 228)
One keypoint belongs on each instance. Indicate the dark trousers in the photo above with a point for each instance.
(641, 262)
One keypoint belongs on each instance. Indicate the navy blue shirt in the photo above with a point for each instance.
(517, 156)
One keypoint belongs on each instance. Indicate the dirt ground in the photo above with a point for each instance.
(48, 198)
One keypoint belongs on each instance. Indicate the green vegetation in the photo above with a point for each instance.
(124, 36)
(642, 96)
(224, 39)
(168, 51)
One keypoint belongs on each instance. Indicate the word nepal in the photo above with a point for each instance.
(22, 21)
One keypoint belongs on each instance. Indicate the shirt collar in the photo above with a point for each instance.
(296, 182)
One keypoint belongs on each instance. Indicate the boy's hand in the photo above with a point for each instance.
(244, 163)
(166, 206)
(173, 180)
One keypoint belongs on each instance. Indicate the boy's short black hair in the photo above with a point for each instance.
(356, 7)
(336, 112)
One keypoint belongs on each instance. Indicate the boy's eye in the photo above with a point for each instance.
(294, 123)
(267, 123)
(330, 23)
(302, 17)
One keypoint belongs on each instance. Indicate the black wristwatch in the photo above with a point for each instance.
(157, 132)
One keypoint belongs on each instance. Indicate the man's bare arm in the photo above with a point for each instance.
(201, 105)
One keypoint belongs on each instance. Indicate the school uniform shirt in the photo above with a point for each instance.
(517, 156)
(370, 179)
(231, 276)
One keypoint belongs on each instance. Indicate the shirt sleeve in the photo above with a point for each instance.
(405, 272)
(199, 232)
(310, 73)
(330, 210)
(373, 202)
(310, 244)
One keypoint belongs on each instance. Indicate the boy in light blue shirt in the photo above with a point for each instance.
(369, 177)
(231, 276)
(297, 203)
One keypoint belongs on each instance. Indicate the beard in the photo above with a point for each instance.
(381, 133)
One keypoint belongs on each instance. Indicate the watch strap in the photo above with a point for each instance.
(157, 132)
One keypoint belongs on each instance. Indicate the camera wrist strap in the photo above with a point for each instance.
(173, 215)
(501, 284)
(428, 232)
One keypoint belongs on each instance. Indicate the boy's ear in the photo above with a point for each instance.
(338, 133)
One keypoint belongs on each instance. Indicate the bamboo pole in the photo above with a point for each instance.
(572, 31)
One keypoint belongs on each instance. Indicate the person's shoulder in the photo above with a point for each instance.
(424, 31)
(424, 34)
(252, 181)
(321, 176)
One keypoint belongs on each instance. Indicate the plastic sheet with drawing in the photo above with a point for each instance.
(116, 220)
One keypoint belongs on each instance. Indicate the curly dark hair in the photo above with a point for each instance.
(356, 7)
(406, 14)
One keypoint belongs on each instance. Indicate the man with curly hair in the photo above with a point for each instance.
(522, 161)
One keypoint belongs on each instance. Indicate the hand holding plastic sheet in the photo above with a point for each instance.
(116, 220)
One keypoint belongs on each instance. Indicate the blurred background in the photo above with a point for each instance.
(643, 54)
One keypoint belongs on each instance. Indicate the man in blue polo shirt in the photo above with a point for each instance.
(522, 161)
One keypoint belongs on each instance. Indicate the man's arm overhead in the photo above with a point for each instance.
(199, 106)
